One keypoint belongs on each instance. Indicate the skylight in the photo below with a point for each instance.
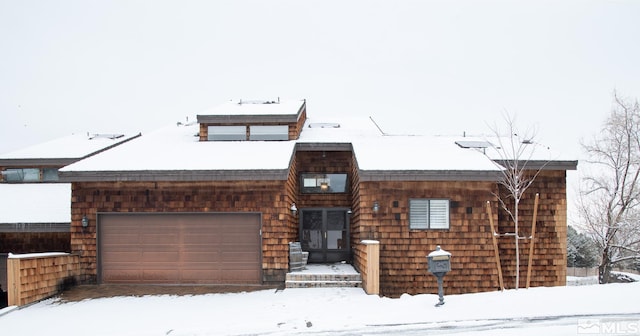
(474, 144)
(324, 125)
(240, 102)
(106, 136)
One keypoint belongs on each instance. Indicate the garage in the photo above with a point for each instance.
(179, 248)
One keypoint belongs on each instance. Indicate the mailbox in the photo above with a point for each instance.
(439, 261)
(439, 264)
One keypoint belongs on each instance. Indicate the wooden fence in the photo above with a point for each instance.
(35, 276)
(593, 271)
(582, 271)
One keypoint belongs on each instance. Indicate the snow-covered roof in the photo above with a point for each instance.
(255, 107)
(75, 146)
(35, 203)
(177, 148)
(509, 148)
(44, 204)
(376, 150)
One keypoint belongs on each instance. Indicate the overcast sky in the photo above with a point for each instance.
(432, 67)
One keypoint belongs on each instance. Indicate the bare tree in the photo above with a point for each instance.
(514, 153)
(610, 194)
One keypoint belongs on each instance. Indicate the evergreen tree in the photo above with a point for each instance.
(581, 250)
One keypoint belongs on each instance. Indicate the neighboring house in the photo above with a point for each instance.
(211, 202)
(35, 207)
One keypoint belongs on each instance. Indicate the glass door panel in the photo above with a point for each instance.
(312, 230)
(336, 230)
(324, 233)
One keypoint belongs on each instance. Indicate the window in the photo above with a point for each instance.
(21, 175)
(428, 214)
(323, 183)
(256, 133)
(227, 133)
(279, 132)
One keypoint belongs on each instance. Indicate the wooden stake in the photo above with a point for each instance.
(533, 234)
(495, 246)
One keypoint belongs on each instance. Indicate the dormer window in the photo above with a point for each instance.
(276, 132)
(256, 133)
(227, 133)
(248, 120)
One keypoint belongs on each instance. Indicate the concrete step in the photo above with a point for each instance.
(300, 276)
(332, 275)
(322, 284)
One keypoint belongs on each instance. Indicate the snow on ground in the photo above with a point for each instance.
(345, 311)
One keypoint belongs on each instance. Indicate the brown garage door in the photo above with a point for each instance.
(179, 248)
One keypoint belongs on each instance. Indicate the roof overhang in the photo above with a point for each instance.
(22, 163)
(244, 119)
(428, 175)
(173, 175)
(323, 146)
(544, 165)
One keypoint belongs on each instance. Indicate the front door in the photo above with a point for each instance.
(324, 233)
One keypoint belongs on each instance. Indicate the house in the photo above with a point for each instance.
(217, 201)
(35, 206)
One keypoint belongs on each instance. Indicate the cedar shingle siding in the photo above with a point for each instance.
(403, 263)
(403, 267)
(33, 242)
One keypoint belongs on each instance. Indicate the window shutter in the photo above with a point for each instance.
(439, 214)
(418, 214)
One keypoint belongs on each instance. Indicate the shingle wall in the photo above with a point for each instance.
(403, 263)
(31, 242)
(266, 197)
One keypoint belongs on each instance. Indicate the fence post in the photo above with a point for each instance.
(13, 282)
(371, 280)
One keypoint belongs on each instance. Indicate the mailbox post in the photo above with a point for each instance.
(439, 262)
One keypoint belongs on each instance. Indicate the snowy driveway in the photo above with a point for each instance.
(345, 311)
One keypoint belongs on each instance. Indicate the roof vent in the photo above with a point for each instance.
(241, 102)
